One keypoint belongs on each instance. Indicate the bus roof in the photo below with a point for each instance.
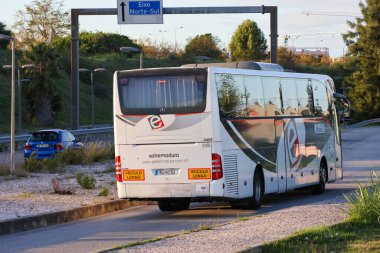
(240, 65)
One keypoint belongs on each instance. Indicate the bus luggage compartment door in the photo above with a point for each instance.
(188, 163)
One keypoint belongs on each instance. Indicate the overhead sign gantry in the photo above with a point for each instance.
(141, 11)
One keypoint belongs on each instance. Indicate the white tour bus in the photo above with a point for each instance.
(192, 134)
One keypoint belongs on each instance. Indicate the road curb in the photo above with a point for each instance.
(48, 219)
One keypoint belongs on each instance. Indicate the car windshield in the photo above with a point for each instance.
(44, 136)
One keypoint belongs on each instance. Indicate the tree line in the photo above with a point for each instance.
(42, 33)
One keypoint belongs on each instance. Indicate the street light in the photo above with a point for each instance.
(92, 90)
(19, 81)
(12, 154)
(134, 50)
(175, 38)
(162, 34)
(202, 58)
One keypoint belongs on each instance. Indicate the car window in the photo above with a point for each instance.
(64, 137)
(44, 136)
(70, 136)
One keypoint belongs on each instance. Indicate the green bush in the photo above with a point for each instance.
(70, 156)
(104, 192)
(33, 165)
(86, 181)
(51, 165)
(364, 202)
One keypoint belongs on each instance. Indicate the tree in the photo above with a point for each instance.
(42, 99)
(41, 21)
(3, 30)
(96, 43)
(286, 58)
(248, 42)
(364, 48)
(203, 45)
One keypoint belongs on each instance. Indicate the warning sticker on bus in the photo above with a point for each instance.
(199, 173)
(133, 175)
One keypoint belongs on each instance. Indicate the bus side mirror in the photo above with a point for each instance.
(344, 109)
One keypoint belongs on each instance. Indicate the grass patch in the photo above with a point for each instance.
(97, 152)
(5, 172)
(156, 239)
(104, 192)
(25, 195)
(348, 236)
(50, 165)
(364, 202)
(94, 152)
(70, 156)
(359, 233)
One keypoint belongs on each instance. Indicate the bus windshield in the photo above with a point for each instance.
(162, 94)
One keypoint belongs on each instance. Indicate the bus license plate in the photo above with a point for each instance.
(165, 172)
(199, 173)
(133, 175)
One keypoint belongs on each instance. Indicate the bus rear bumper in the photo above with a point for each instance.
(157, 191)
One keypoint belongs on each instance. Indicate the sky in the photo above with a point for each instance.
(307, 30)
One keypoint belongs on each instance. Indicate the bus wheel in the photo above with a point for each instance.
(258, 191)
(180, 205)
(165, 205)
(320, 187)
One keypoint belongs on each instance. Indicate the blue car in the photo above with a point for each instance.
(47, 143)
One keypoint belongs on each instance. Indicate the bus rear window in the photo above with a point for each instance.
(162, 94)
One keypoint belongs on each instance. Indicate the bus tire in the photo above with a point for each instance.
(180, 205)
(258, 190)
(165, 205)
(320, 187)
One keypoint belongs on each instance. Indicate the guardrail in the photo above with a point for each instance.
(364, 123)
(86, 135)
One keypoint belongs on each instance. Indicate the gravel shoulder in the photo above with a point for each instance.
(255, 231)
(34, 194)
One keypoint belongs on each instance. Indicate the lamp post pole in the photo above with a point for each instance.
(92, 99)
(162, 36)
(92, 91)
(13, 146)
(175, 38)
(19, 81)
(135, 50)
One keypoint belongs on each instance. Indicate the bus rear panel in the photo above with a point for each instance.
(164, 145)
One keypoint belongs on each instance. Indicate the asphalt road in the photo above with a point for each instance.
(360, 152)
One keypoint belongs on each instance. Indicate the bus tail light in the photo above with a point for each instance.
(217, 169)
(118, 169)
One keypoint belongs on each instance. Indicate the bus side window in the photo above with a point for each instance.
(305, 97)
(289, 96)
(254, 96)
(230, 95)
(272, 99)
(321, 104)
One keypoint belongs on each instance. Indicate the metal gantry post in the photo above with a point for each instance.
(74, 69)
